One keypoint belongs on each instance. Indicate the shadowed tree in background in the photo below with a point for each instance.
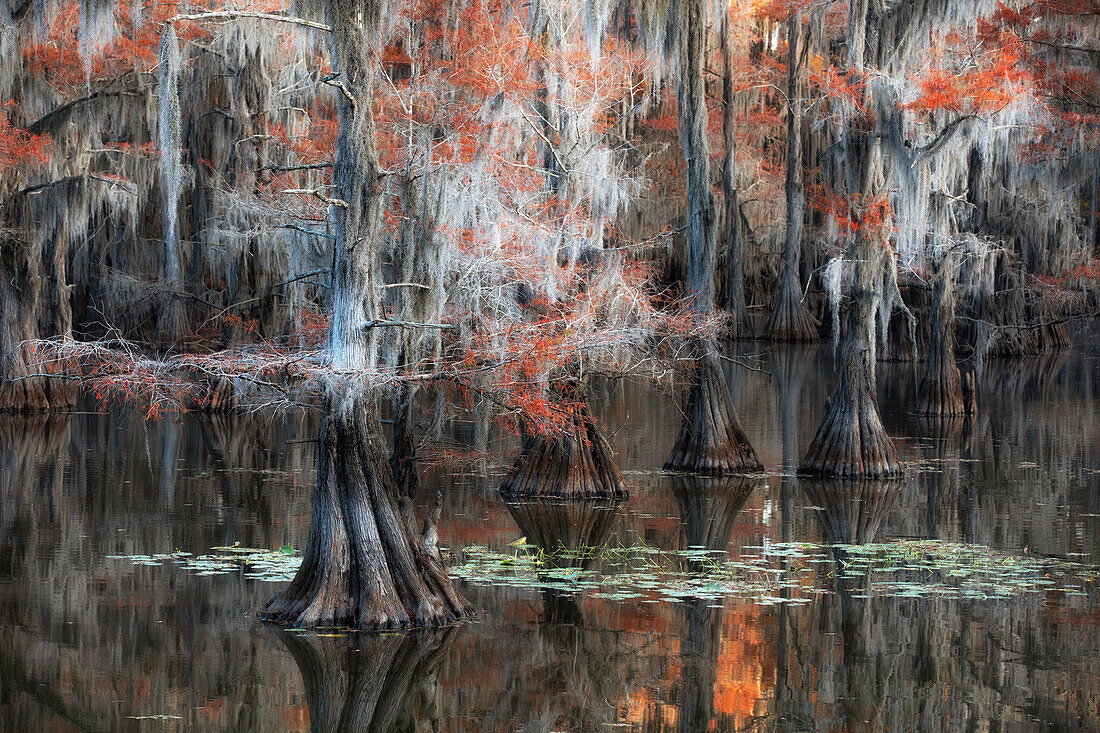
(791, 320)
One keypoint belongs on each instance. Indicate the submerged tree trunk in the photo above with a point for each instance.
(366, 564)
(851, 441)
(740, 324)
(711, 439)
(691, 101)
(791, 319)
(576, 463)
(941, 389)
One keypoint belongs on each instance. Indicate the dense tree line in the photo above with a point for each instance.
(341, 202)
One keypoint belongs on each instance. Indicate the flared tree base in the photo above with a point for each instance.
(791, 320)
(943, 393)
(31, 395)
(576, 465)
(366, 565)
(711, 440)
(852, 442)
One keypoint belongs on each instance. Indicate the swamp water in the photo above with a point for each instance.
(134, 554)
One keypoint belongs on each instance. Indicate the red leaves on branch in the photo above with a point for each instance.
(18, 147)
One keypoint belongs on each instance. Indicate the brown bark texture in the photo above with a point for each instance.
(851, 441)
(711, 440)
(366, 565)
(574, 464)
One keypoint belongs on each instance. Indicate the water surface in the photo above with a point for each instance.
(91, 642)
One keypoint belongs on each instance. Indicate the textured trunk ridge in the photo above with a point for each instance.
(23, 307)
(365, 566)
(578, 464)
(851, 441)
(941, 388)
(711, 439)
(691, 101)
(791, 320)
(740, 323)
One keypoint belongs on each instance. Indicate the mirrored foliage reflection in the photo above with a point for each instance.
(89, 641)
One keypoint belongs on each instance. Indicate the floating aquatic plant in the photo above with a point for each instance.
(276, 566)
(791, 573)
(779, 573)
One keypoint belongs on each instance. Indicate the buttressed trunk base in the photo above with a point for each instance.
(576, 464)
(711, 439)
(366, 565)
(941, 389)
(851, 441)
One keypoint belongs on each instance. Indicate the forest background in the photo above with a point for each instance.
(482, 204)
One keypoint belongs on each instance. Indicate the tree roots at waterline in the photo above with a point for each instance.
(851, 441)
(791, 320)
(711, 439)
(367, 565)
(942, 390)
(575, 464)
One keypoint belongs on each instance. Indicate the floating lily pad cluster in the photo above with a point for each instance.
(778, 573)
(256, 563)
(791, 573)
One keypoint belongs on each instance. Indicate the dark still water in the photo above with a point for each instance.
(964, 598)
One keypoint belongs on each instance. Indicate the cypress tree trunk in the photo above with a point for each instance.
(940, 391)
(172, 318)
(24, 304)
(691, 101)
(851, 441)
(791, 320)
(574, 464)
(711, 440)
(740, 324)
(366, 565)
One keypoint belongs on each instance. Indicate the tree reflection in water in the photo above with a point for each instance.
(708, 509)
(850, 513)
(369, 682)
(96, 643)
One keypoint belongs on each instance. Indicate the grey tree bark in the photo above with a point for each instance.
(691, 101)
(791, 319)
(740, 323)
(366, 564)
